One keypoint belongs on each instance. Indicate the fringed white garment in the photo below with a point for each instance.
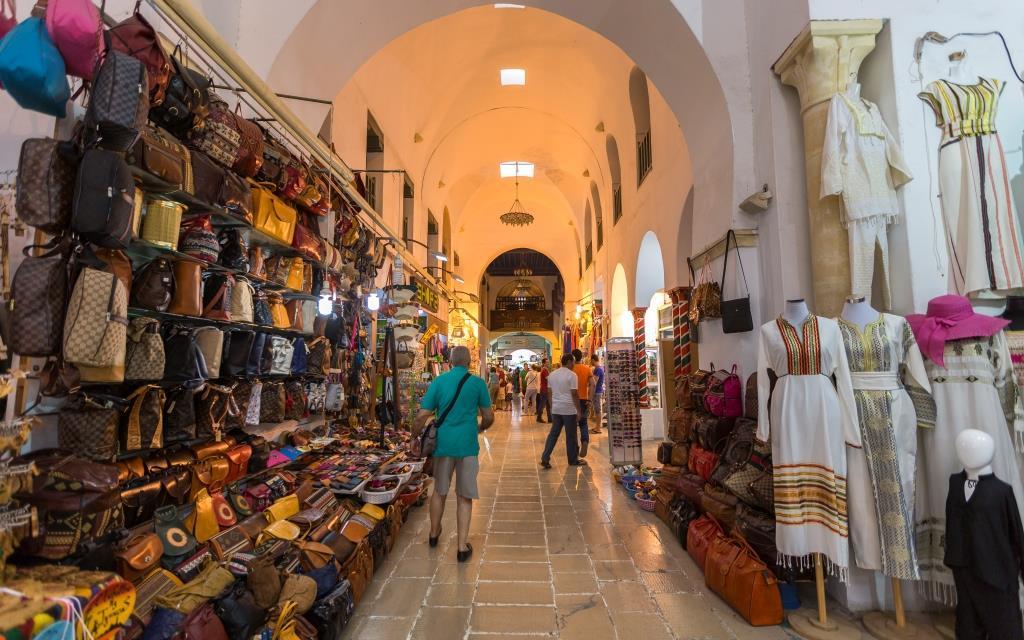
(977, 389)
(810, 423)
(890, 386)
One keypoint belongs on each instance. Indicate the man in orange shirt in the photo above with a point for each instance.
(583, 375)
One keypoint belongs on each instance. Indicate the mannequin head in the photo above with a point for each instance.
(975, 449)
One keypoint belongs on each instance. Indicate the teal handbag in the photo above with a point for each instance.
(32, 70)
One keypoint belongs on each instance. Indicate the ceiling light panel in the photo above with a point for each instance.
(516, 168)
(513, 77)
(508, 5)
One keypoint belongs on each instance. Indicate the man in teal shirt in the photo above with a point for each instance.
(457, 444)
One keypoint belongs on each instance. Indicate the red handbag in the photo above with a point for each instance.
(307, 240)
(136, 37)
(292, 181)
(702, 462)
(700, 536)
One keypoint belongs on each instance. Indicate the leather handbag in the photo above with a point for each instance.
(272, 216)
(96, 324)
(187, 99)
(217, 288)
(184, 360)
(300, 356)
(210, 341)
(272, 402)
(736, 317)
(104, 201)
(296, 271)
(700, 535)
(665, 453)
(250, 156)
(253, 365)
(144, 420)
(261, 309)
(307, 239)
(278, 312)
(294, 309)
(318, 360)
(679, 454)
(706, 297)
(238, 458)
(139, 555)
(724, 395)
(702, 462)
(220, 138)
(238, 611)
(118, 103)
(712, 432)
(309, 314)
(680, 424)
(691, 486)
(46, 184)
(750, 398)
(236, 196)
(88, 425)
(39, 303)
(738, 576)
(207, 177)
(188, 289)
(153, 286)
(234, 251)
(758, 528)
(159, 154)
(278, 268)
(242, 309)
(213, 404)
(136, 37)
(296, 406)
(180, 415)
(720, 504)
(277, 356)
(331, 613)
(237, 356)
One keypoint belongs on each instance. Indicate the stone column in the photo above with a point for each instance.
(680, 331)
(819, 63)
(640, 346)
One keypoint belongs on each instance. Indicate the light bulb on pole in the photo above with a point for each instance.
(373, 301)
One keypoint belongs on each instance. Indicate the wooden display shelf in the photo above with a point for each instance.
(164, 316)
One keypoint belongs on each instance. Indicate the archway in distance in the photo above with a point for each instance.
(622, 320)
(650, 270)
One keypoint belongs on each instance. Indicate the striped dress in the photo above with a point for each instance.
(810, 424)
(984, 235)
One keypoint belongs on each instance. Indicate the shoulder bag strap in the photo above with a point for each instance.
(458, 390)
(731, 235)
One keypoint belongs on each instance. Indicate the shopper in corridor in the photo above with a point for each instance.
(457, 443)
(565, 413)
(583, 378)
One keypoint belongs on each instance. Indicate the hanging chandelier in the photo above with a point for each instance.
(517, 216)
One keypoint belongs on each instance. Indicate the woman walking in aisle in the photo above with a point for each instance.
(456, 398)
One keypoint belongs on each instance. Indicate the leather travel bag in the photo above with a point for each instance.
(720, 504)
(701, 534)
(691, 486)
(104, 202)
(134, 36)
(738, 576)
(162, 156)
(118, 103)
(96, 325)
(39, 302)
(758, 528)
(46, 184)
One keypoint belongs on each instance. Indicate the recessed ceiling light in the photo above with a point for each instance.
(508, 5)
(513, 77)
(516, 168)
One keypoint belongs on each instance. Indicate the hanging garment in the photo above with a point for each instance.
(885, 361)
(976, 389)
(862, 161)
(1015, 340)
(984, 234)
(811, 423)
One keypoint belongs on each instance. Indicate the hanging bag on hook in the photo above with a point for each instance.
(32, 70)
(77, 32)
(736, 317)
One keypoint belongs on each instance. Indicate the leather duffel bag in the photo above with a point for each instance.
(734, 572)
(720, 504)
(665, 453)
(712, 431)
(680, 455)
(701, 534)
(683, 513)
(758, 529)
(691, 486)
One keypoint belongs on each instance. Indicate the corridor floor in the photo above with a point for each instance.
(557, 553)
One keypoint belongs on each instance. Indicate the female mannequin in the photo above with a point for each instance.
(857, 311)
(796, 312)
(984, 544)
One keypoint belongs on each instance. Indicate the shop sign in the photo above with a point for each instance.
(429, 334)
(426, 296)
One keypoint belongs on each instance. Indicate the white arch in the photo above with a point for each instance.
(621, 319)
(650, 270)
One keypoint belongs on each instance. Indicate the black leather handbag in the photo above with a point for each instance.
(187, 100)
(237, 610)
(180, 415)
(736, 317)
(331, 613)
(184, 360)
(237, 346)
(104, 200)
(252, 365)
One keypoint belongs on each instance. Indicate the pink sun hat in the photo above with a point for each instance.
(950, 317)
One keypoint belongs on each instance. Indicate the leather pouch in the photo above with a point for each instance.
(139, 555)
(283, 509)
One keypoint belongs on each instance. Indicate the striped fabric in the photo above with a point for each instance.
(964, 110)
(640, 345)
(810, 494)
(802, 355)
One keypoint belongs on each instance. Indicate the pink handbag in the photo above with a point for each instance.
(276, 457)
(724, 397)
(76, 29)
(8, 16)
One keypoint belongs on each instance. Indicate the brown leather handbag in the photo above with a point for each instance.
(720, 504)
(213, 405)
(137, 38)
(139, 555)
(144, 420)
(160, 154)
(758, 528)
(702, 462)
(680, 424)
(679, 455)
(735, 573)
(188, 289)
(153, 287)
(701, 534)
(202, 624)
(691, 486)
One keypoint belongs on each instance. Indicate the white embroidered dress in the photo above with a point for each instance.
(810, 423)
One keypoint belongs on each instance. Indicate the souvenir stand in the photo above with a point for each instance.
(194, 448)
(625, 446)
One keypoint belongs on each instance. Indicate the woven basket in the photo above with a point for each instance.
(380, 497)
(162, 222)
(646, 504)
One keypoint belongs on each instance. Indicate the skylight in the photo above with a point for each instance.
(513, 77)
(516, 168)
(508, 5)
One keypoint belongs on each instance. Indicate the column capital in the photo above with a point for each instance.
(680, 294)
(638, 312)
(825, 57)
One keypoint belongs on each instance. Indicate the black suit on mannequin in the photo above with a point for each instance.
(985, 550)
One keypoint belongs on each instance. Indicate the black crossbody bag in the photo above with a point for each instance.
(736, 317)
(423, 445)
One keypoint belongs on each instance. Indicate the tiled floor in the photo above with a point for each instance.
(558, 553)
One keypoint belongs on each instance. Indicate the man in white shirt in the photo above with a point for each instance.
(563, 389)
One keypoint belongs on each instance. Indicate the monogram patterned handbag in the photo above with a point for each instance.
(144, 357)
(144, 428)
(46, 184)
(96, 324)
(88, 425)
(272, 402)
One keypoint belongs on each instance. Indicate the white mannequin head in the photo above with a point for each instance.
(975, 449)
